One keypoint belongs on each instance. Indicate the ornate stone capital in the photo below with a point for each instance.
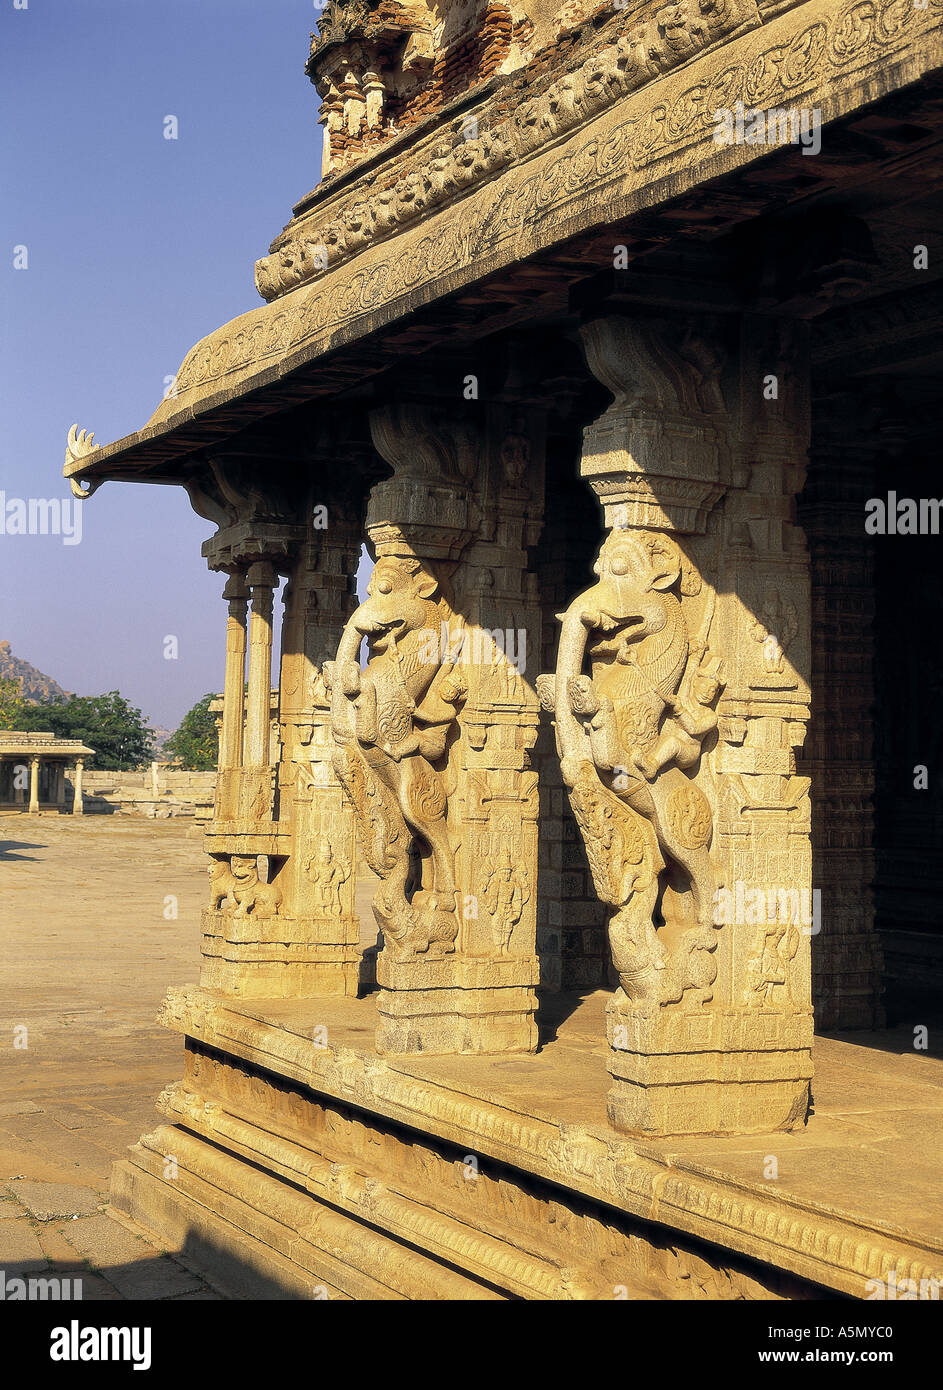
(426, 508)
(236, 590)
(256, 521)
(657, 457)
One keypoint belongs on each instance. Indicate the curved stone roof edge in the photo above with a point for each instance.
(602, 172)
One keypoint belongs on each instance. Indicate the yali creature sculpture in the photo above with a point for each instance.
(631, 736)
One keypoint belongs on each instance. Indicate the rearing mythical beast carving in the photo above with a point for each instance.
(630, 738)
(391, 725)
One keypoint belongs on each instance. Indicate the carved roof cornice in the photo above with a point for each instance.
(444, 165)
(652, 148)
(38, 744)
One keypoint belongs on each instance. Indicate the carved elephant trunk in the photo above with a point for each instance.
(577, 622)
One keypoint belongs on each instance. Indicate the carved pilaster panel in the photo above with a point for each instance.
(282, 798)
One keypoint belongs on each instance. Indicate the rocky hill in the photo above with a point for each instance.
(33, 684)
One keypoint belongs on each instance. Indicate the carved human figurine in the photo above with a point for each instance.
(391, 724)
(692, 719)
(505, 896)
(775, 628)
(630, 737)
(328, 875)
(768, 972)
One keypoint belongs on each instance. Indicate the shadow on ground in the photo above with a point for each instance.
(9, 849)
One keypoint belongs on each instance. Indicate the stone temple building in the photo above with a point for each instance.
(612, 332)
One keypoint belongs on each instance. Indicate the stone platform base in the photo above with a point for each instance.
(279, 958)
(455, 1005)
(716, 1071)
(292, 1168)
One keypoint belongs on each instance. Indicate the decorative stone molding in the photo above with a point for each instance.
(742, 1215)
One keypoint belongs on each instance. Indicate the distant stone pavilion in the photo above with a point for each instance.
(47, 760)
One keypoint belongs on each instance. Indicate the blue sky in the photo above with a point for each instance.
(137, 247)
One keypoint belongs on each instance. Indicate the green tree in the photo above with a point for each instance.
(12, 703)
(195, 743)
(107, 723)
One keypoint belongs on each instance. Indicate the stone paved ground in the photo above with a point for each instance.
(90, 946)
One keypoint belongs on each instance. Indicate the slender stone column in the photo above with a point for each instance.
(60, 785)
(680, 695)
(230, 743)
(262, 582)
(256, 804)
(77, 808)
(34, 786)
(231, 731)
(249, 936)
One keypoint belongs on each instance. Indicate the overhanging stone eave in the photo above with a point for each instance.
(218, 414)
(49, 747)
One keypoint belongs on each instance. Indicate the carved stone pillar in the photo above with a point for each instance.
(231, 726)
(355, 105)
(78, 808)
(332, 121)
(281, 921)
(248, 947)
(374, 93)
(679, 697)
(847, 960)
(321, 875)
(433, 735)
(34, 786)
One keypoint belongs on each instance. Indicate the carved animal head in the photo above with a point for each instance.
(335, 238)
(632, 566)
(401, 598)
(672, 26)
(633, 58)
(264, 278)
(358, 224)
(633, 630)
(244, 869)
(411, 192)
